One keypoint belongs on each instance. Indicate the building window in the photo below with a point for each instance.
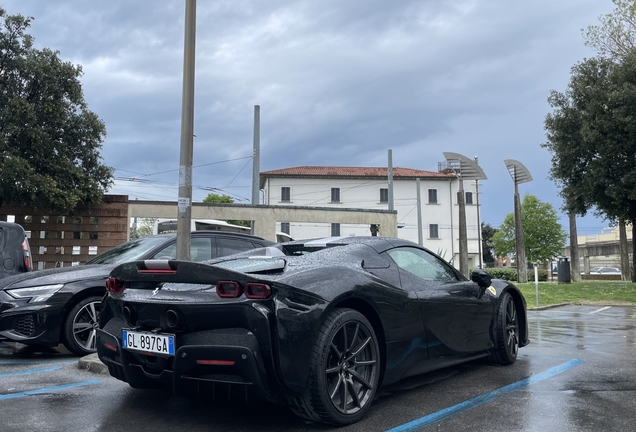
(432, 196)
(335, 195)
(285, 194)
(433, 231)
(284, 227)
(93, 235)
(384, 195)
(469, 197)
(335, 230)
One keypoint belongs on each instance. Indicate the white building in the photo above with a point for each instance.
(367, 188)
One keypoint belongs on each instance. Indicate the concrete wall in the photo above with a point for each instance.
(267, 217)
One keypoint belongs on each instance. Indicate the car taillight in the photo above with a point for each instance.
(114, 285)
(257, 291)
(228, 289)
(25, 252)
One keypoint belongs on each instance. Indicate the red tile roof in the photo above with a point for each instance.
(340, 171)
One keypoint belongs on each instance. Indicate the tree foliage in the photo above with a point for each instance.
(49, 140)
(224, 199)
(542, 234)
(592, 138)
(144, 227)
(615, 37)
(487, 232)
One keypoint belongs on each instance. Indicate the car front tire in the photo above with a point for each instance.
(80, 326)
(344, 370)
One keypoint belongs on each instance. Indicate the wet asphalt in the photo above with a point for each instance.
(578, 374)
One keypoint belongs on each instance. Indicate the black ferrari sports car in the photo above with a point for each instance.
(318, 325)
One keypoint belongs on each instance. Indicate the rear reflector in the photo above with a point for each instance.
(216, 362)
(114, 285)
(228, 289)
(257, 291)
(111, 347)
(27, 257)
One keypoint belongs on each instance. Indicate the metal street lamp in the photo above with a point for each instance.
(519, 174)
(464, 169)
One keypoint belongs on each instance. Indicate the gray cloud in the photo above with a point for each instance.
(338, 83)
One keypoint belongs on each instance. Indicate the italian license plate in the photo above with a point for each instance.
(148, 342)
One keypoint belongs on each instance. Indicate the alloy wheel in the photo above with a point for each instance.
(85, 324)
(512, 328)
(351, 367)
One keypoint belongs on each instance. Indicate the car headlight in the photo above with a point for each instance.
(35, 294)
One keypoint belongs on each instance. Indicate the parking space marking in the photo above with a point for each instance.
(482, 399)
(48, 389)
(30, 371)
(28, 362)
(601, 309)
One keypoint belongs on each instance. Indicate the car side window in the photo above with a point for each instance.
(200, 250)
(422, 264)
(229, 246)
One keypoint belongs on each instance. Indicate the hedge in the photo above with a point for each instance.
(510, 274)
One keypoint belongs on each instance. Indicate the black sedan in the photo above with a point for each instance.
(318, 325)
(46, 307)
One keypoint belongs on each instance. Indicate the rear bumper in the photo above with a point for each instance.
(203, 362)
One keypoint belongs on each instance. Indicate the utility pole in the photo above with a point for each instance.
(256, 160)
(479, 244)
(391, 204)
(420, 236)
(187, 134)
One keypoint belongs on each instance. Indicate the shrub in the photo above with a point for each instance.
(510, 274)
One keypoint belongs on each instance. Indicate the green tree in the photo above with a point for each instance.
(49, 140)
(144, 227)
(615, 37)
(224, 199)
(542, 234)
(487, 232)
(592, 138)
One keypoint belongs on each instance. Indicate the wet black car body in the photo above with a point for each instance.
(49, 307)
(318, 325)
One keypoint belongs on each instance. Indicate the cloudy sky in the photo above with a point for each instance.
(339, 82)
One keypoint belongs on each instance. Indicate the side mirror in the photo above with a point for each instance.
(481, 278)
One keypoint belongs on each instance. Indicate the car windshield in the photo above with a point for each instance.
(129, 251)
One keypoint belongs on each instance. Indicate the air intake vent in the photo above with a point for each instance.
(24, 325)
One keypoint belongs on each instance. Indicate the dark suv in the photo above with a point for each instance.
(15, 252)
(47, 307)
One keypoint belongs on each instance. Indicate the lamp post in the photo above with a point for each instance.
(519, 174)
(464, 169)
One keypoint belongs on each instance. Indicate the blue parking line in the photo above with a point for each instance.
(47, 389)
(28, 362)
(30, 371)
(480, 400)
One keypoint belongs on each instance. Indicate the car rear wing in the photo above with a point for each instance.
(147, 274)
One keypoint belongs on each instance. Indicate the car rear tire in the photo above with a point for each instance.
(344, 370)
(506, 332)
(80, 326)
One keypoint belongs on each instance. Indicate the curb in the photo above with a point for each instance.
(547, 307)
(91, 363)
